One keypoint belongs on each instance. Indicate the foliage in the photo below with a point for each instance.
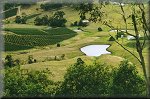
(10, 62)
(100, 29)
(118, 35)
(83, 9)
(57, 19)
(93, 10)
(20, 82)
(75, 23)
(111, 38)
(50, 6)
(41, 21)
(127, 82)
(10, 13)
(84, 80)
(21, 19)
(31, 59)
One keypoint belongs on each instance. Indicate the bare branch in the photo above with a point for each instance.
(144, 40)
(126, 49)
(130, 34)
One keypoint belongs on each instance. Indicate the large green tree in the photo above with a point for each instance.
(127, 81)
(58, 19)
(86, 80)
(21, 82)
(138, 20)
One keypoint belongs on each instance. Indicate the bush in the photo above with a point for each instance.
(57, 19)
(20, 82)
(75, 23)
(119, 34)
(100, 29)
(127, 82)
(38, 21)
(58, 45)
(86, 80)
(10, 62)
(21, 19)
(31, 59)
(111, 39)
(41, 21)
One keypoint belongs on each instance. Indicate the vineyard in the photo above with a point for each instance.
(25, 38)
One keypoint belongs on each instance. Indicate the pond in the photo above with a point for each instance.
(95, 50)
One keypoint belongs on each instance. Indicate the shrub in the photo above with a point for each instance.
(57, 19)
(31, 59)
(85, 80)
(111, 39)
(38, 21)
(75, 23)
(100, 29)
(58, 45)
(127, 81)
(41, 21)
(119, 34)
(20, 19)
(32, 83)
(10, 62)
(62, 56)
(80, 23)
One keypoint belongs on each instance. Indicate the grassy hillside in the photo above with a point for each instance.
(40, 41)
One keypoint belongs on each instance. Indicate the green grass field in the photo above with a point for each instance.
(40, 41)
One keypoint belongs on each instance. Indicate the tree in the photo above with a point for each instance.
(38, 21)
(18, 19)
(127, 81)
(93, 10)
(84, 8)
(30, 59)
(21, 19)
(44, 20)
(58, 19)
(9, 61)
(137, 20)
(86, 80)
(33, 83)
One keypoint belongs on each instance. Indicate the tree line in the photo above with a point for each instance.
(80, 80)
